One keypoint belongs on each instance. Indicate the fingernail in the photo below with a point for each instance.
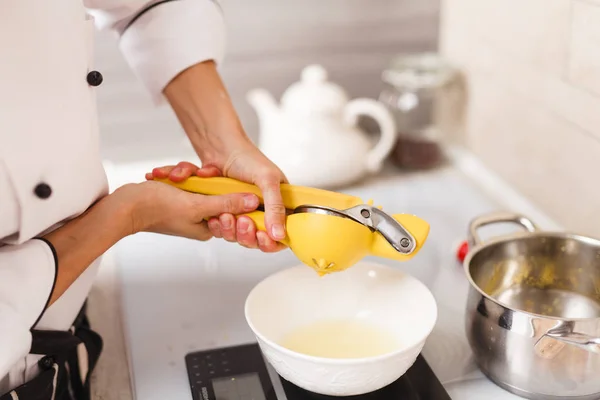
(177, 171)
(278, 231)
(226, 222)
(250, 201)
(243, 226)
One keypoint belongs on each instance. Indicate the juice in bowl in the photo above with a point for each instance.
(342, 334)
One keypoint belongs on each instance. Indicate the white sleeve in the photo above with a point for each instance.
(161, 38)
(27, 278)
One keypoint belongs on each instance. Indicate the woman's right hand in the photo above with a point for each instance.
(161, 208)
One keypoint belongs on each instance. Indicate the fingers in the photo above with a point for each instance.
(235, 203)
(208, 172)
(179, 172)
(215, 227)
(246, 232)
(243, 230)
(182, 171)
(162, 172)
(228, 224)
(274, 208)
(266, 244)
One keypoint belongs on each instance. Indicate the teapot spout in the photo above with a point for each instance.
(263, 103)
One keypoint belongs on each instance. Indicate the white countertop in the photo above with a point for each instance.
(179, 295)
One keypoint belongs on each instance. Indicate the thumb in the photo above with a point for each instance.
(234, 203)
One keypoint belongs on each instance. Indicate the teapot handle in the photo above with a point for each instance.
(387, 125)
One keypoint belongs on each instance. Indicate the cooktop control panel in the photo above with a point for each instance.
(241, 373)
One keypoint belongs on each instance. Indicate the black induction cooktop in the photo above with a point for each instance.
(240, 373)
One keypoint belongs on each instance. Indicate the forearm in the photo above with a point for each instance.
(202, 105)
(79, 242)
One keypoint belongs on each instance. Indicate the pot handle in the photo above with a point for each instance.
(494, 218)
(550, 344)
(581, 340)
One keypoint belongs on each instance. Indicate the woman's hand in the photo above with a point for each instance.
(162, 208)
(223, 225)
(248, 164)
(206, 113)
(136, 207)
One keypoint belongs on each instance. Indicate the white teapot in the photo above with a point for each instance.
(313, 136)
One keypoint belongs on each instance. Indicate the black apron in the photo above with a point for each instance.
(59, 377)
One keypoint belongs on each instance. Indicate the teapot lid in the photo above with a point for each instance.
(314, 93)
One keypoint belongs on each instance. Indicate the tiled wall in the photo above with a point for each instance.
(533, 74)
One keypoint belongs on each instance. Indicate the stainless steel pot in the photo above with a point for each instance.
(533, 310)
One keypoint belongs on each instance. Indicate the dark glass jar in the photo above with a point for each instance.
(422, 92)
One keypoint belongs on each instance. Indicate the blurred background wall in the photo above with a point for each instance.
(533, 73)
(269, 42)
(532, 69)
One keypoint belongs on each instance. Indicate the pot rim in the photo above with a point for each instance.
(523, 235)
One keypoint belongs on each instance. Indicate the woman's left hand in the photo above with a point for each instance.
(241, 229)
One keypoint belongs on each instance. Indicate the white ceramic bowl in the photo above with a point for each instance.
(377, 294)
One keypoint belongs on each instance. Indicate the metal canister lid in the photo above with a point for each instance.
(419, 71)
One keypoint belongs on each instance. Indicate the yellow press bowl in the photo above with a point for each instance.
(327, 243)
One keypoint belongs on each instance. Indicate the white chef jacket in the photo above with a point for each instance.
(50, 165)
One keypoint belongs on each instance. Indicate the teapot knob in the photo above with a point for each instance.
(314, 74)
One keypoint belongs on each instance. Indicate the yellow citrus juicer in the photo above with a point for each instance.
(328, 231)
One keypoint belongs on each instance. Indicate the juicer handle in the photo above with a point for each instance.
(387, 125)
(396, 235)
(495, 218)
(217, 185)
(293, 196)
(417, 227)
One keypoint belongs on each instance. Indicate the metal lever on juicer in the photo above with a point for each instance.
(373, 218)
(390, 229)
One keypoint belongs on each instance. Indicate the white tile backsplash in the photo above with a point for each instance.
(584, 57)
(534, 105)
(530, 31)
